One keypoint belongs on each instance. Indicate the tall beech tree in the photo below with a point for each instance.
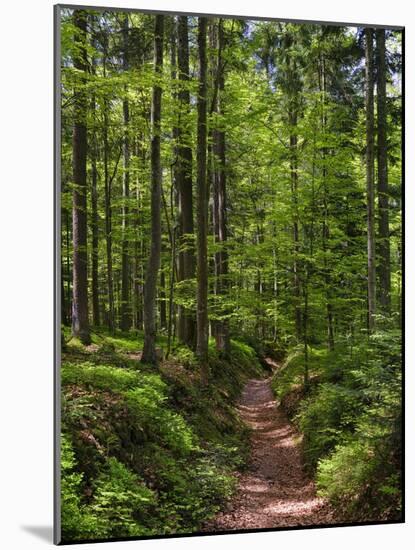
(326, 227)
(186, 271)
(383, 241)
(96, 317)
(290, 82)
(170, 213)
(150, 289)
(202, 207)
(80, 321)
(125, 267)
(370, 184)
(219, 197)
(263, 215)
(108, 186)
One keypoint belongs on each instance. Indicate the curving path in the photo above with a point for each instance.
(275, 491)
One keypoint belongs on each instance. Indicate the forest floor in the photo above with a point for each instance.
(275, 491)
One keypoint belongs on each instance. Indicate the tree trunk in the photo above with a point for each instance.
(108, 225)
(163, 300)
(80, 321)
(292, 91)
(171, 294)
(108, 208)
(95, 236)
(186, 320)
(153, 266)
(326, 228)
(64, 305)
(305, 335)
(275, 328)
(383, 244)
(138, 248)
(68, 300)
(125, 261)
(294, 196)
(94, 206)
(219, 202)
(371, 265)
(202, 209)
(172, 228)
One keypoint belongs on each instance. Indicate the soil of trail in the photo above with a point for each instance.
(275, 490)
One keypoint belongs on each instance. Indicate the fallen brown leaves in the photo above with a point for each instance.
(275, 491)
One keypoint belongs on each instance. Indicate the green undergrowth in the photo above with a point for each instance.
(148, 450)
(350, 421)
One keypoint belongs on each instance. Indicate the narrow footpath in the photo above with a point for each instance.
(274, 491)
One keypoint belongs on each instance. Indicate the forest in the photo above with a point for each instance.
(231, 274)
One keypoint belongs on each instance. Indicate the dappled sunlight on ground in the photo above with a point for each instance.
(288, 507)
(275, 491)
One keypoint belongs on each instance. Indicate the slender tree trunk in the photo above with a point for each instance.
(153, 266)
(305, 334)
(108, 225)
(220, 219)
(125, 261)
(108, 208)
(202, 209)
(64, 306)
(275, 281)
(138, 249)
(163, 298)
(95, 235)
(171, 294)
(173, 196)
(212, 163)
(383, 245)
(327, 279)
(137, 287)
(95, 219)
(186, 270)
(296, 241)
(80, 321)
(371, 265)
(326, 228)
(293, 110)
(68, 266)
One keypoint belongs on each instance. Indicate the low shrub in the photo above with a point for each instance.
(76, 518)
(362, 477)
(148, 452)
(350, 418)
(325, 418)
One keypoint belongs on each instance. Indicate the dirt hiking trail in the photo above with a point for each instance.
(274, 491)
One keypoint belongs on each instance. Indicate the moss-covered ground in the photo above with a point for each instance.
(147, 450)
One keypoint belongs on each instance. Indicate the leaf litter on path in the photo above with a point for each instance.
(275, 491)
